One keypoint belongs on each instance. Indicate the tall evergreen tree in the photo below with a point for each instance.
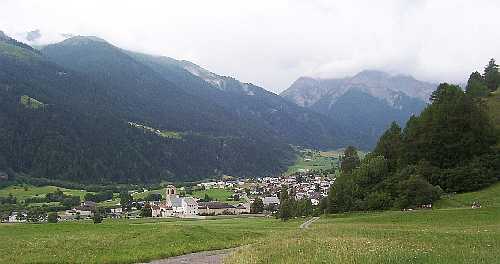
(286, 206)
(491, 76)
(350, 160)
(476, 86)
(390, 145)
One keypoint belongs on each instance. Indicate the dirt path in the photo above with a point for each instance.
(205, 257)
(307, 223)
(211, 257)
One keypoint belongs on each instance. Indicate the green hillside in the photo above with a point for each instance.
(489, 197)
(23, 192)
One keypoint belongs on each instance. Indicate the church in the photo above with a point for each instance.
(174, 205)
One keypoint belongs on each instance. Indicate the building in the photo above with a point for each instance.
(271, 200)
(216, 208)
(161, 210)
(17, 217)
(175, 205)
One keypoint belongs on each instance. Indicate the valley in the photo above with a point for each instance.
(315, 133)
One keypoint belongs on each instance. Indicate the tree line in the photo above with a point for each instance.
(450, 147)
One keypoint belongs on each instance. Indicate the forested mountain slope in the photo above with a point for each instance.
(268, 111)
(60, 123)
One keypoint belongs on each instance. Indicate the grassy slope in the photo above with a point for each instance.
(142, 195)
(319, 160)
(127, 241)
(216, 194)
(439, 236)
(489, 197)
(20, 193)
(31, 102)
(457, 234)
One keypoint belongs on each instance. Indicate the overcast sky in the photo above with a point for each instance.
(273, 42)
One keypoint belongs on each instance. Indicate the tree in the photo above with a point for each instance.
(476, 86)
(206, 198)
(126, 200)
(55, 196)
(323, 206)
(453, 129)
(70, 201)
(97, 217)
(257, 206)
(146, 210)
(52, 217)
(35, 214)
(350, 160)
(153, 197)
(491, 76)
(416, 191)
(286, 205)
(390, 146)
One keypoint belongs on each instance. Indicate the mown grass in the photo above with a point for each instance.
(128, 241)
(143, 195)
(221, 195)
(433, 236)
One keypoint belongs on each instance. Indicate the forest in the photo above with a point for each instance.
(451, 147)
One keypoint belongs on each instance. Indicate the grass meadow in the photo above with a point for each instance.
(431, 236)
(128, 241)
(221, 195)
(23, 192)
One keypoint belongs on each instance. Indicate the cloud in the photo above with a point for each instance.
(271, 43)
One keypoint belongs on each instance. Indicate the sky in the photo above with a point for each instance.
(271, 43)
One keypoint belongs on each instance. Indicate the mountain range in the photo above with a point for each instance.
(111, 115)
(363, 105)
(85, 110)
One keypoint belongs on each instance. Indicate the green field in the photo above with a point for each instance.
(128, 241)
(456, 234)
(489, 197)
(142, 195)
(221, 195)
(31, 102)
(314, 160)
(23, 192)
(310, 160)
(432, 236)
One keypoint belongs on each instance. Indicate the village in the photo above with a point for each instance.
(175, 202)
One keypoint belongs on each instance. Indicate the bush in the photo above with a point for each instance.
(378, 201)
(52, 217)
(415, 192)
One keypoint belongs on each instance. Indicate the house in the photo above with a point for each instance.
(85, 209)
(189, 206)
(17, 217)
(243, 209)
(271, 200)
(161, 210)
(215, 208)
(117, 210)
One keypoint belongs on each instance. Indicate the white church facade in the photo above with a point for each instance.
(175, 205)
